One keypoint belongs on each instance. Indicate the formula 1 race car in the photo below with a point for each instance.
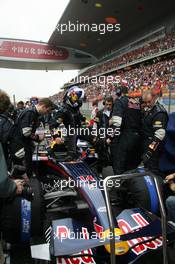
(138, 232)
(68, 222)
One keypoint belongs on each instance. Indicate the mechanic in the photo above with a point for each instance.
(54, 119)
(154, 124)
(8, 188)
(25, 132)
(7, 130)
(28, 104)
(6, 123)
(126, 118)
(69, 114)
(12, 112)
(102, 121)
(20, 107)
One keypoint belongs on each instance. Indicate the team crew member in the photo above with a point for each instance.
(154, 123)
(7, 130)
(126, 118)
(8, 188)
(54, 119)
(27, 123)
(20, 107)
(6, 123)
(102, 121)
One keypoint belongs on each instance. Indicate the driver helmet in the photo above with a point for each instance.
(74, 96)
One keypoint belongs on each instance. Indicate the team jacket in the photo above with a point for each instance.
(154, 123)
(26, 125)
(127, 114)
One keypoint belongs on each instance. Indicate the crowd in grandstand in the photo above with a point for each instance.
(158, 74)
(147, 50)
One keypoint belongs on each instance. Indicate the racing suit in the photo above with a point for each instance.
(71, 118)
(154, 123)
(26, 125)
(126, 118)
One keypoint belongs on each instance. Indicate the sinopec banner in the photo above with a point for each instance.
(31, 50)
(21, 54)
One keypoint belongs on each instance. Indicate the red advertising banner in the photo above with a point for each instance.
(31, 50)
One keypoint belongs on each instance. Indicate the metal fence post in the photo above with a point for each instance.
(110, 216)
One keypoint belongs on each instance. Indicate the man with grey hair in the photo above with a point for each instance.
(154, 123)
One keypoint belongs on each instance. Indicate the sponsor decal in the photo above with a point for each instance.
(102, 209)
(140, 222)
(31, 50)
(25, 220)
(87, 178)
(98, 228)
(63, 232)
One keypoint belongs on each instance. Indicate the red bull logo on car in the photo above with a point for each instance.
(62, 233)
(140, 222)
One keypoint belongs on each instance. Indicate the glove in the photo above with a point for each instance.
(151, 149)
(147, 156)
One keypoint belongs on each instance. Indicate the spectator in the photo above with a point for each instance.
(157, 75)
